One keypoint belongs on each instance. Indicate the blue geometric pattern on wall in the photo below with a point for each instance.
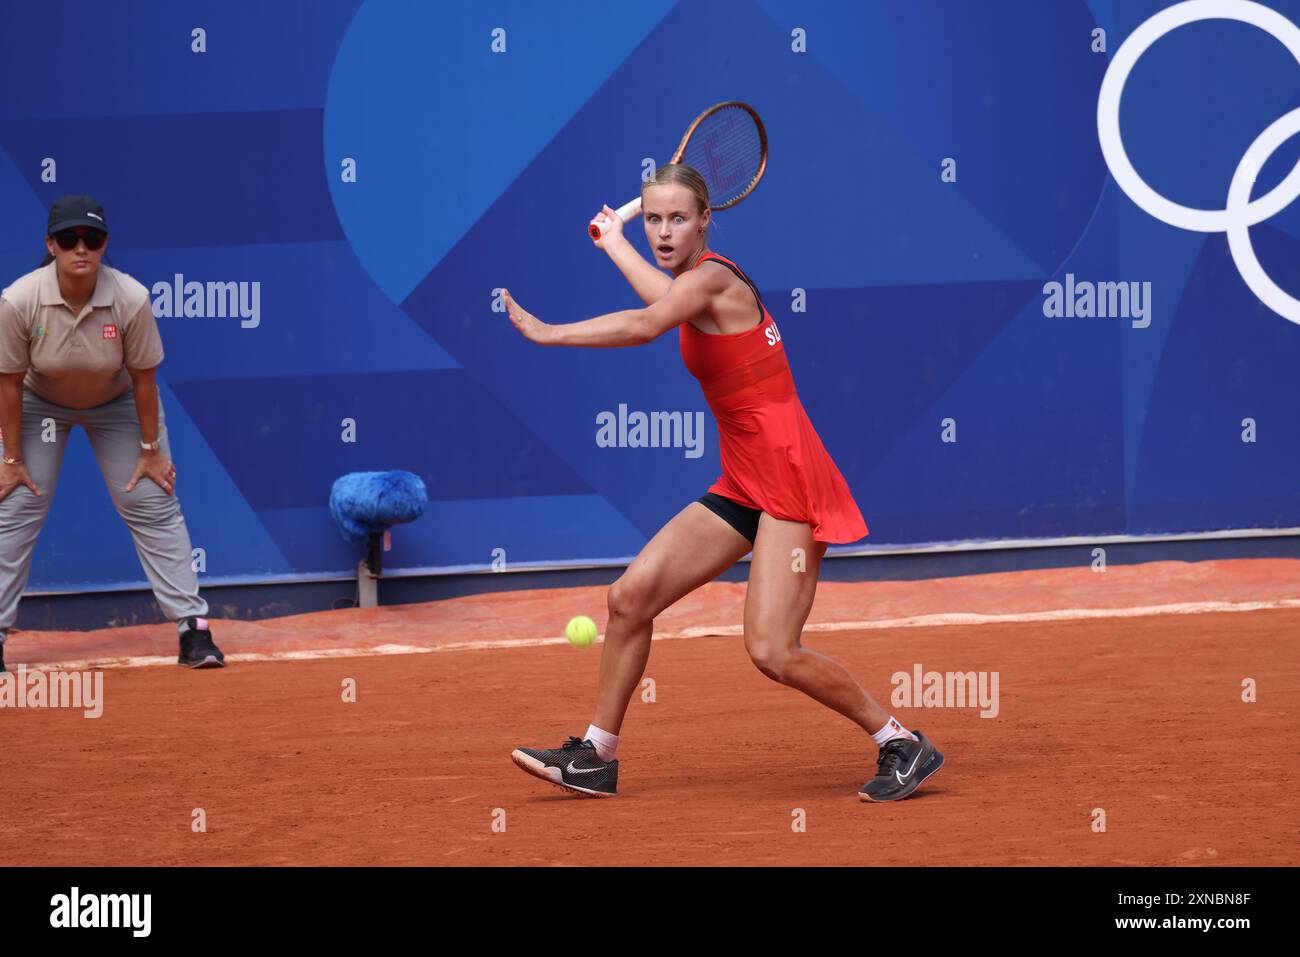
(377, 300)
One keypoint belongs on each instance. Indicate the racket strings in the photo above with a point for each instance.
(727, 149)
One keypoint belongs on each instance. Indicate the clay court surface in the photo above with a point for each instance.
(1139, 713)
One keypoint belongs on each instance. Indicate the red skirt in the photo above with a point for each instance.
(772, 458)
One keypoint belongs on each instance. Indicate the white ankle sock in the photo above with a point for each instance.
(606, 743)
(892, 729)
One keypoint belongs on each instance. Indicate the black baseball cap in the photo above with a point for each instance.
(70, 211)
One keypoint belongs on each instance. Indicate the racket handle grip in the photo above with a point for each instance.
(600, 225)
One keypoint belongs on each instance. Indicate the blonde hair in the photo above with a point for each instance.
(682, 175)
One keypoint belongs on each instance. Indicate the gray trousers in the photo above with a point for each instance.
(153, 516)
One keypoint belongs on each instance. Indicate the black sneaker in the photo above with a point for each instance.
(901, 768)
(198, 649)
(574, 766)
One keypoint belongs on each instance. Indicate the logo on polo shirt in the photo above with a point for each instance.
(38, 332)
(110, 331)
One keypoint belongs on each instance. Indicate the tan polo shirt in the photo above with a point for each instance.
(77, 361)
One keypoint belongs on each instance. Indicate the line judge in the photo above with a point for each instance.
(79, 346)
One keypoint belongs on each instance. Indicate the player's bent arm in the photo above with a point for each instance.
(648, 281)
(690, 297)
(603, 332)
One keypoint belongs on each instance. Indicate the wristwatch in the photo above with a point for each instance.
(9, 461)
(153, 446)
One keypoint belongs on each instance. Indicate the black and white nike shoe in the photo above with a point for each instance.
(901, 768)
(574, 766)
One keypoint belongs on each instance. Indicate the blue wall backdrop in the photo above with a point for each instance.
(926, 296)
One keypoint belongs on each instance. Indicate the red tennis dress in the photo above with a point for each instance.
(772, 457)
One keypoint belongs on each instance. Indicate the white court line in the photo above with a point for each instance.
(914, 621)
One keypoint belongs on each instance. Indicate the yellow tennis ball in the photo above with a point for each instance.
(581, 631)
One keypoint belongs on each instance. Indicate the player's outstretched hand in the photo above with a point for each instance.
(533, 328)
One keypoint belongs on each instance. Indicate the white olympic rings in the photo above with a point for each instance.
(1239, 212)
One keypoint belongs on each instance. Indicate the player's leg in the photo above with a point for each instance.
(691, 550)
(695, 547)
(157, 526)
(782, 584)
(22, 511)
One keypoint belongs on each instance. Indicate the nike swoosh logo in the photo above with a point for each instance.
(909, 770)
(573, 770)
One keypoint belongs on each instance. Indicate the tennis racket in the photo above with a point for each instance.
(728, 145)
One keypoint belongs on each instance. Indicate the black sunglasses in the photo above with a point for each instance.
(67, 239)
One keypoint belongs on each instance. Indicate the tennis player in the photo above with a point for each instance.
(79, 346)
(779, 495)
